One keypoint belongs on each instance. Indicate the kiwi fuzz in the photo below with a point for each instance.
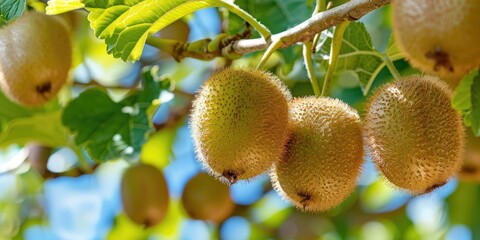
(415, 137)
(239, 123)
(323, 157)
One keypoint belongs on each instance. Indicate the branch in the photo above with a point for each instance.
(351, 11)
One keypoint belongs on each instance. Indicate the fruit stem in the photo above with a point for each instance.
(166, 45)
(391, 67)
(82, 161)
(309, 48)
(266, 34)
(334, 52)
(307, 57)
(319, 7)
(270, 50)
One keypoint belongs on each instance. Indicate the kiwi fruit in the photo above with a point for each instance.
(205, 198)
(36, 52)
(415, 137)
(470, 171)
(324, 154)
(239, 123)
(144, 194)
(440, 37)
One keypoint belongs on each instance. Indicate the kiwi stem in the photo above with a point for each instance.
(391, 67)
(82, 161)
(270, 50)
(266, 34)
(307, 58)
(334, 52)
(309, 48)
(319, 7)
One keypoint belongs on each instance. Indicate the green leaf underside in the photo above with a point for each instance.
(357, 54)
(61, 6)
(126, 24)
(11, 9)
(109, 129)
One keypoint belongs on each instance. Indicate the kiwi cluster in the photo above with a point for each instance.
(244, 123)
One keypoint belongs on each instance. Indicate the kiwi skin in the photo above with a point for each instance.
(324, 155)
(239, 123)
(440, 37)
(36, 57)
(415, 137)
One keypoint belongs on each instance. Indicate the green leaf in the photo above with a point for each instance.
(475, 116)
(357, 54)
(11, 9)
(109, 129)
(463, 100)
(126, 24)
(10, 110)
(393, 51)
(45, 128)
(277, 16)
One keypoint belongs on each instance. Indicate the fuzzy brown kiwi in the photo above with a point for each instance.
(36, 58)
(324, 154)
(440, 37)
(239, 122)
(415, 137)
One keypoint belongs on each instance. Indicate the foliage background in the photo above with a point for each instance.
(89, 207)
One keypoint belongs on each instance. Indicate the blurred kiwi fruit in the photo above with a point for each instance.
(440, 37)
(36, 57)
(324, 154)
(470, 171)
(239, 122)
(144, 194)
(415, 137)
(205, 198)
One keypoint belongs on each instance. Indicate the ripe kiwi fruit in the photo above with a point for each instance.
(205, 198)
(239, 122)
(440, 37)
(144, 194)
(36, 57)
(415, 137)
(324, 154)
